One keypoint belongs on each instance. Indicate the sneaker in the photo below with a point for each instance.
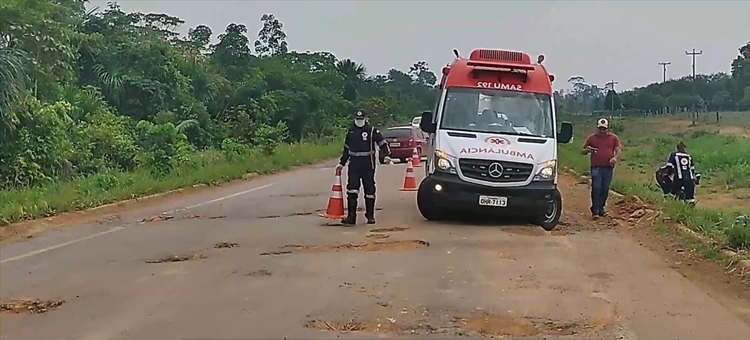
(602, 213)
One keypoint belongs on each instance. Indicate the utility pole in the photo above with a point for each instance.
(613, 83)
(693, 54)
(664, 69)
(664, 76)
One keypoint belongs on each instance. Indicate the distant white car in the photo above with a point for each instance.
(415, 121)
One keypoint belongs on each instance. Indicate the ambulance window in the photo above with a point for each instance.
(498, 111)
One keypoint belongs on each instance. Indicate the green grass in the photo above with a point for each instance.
(210, 167)
(723, 159)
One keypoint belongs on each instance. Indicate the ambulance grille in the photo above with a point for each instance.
(479, 169)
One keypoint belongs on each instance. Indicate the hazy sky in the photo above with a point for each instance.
(600, 40)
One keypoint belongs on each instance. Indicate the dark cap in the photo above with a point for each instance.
(360, 115)
(681, 145)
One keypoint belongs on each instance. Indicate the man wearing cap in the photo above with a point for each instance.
(359, 149)
(604, 148)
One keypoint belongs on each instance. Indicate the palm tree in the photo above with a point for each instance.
(112, 77)
(354, 74)
(12, 85)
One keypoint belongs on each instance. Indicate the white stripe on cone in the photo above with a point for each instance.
(336, 190)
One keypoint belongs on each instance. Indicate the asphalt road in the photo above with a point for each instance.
(286, 274)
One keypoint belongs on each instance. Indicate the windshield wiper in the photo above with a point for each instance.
(519, 134)
(514, 133)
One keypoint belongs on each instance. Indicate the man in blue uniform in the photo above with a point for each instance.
(360, 144)
(685, 177)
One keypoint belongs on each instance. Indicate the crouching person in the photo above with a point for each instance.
(685, 176)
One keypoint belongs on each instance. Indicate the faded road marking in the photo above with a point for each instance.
(44, 250)
(222, 198)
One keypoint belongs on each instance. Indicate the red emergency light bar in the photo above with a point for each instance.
(500, 56)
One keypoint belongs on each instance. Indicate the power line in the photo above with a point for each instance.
(664, 69)
(693, 54)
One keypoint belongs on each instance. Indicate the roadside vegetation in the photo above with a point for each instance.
(100, 105)
(651, 121)
(723, 194)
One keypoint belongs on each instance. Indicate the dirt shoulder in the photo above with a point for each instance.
(636, 219)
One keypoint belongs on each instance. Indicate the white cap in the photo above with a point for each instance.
(602, 122)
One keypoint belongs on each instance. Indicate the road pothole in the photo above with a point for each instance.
(387, 230)
(360, 209)
(502, 326)
(378, 236)
(348, 326)
(167, 217)
(601, 276)
(479, 325)
(370, 246)
(196, 217)
(299, 213)
(259, 272)
(299, 195)
(304, 213)
(158, 218)
(30, 306)
(224, 245)
(535, 231)
(178, 258)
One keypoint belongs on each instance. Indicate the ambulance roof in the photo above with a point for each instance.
(498, 69)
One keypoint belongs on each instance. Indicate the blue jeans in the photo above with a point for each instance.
(601, 179)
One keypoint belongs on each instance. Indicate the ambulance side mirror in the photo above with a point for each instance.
(426, 124)
(565, 135)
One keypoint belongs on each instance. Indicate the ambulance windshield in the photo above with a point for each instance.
(498, 111)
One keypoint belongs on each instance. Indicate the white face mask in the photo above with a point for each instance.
(359, 122)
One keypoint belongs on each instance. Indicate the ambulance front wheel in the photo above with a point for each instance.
(426, 202)
(550, 217)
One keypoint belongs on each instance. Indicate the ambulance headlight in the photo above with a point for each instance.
(547, 171)
(444, 162)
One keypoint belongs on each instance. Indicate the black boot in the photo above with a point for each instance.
(370, 210)
(351, 214)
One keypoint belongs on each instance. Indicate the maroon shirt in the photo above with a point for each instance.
(605, 145)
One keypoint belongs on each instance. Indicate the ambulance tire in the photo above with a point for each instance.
(548, 220)
(426, 204)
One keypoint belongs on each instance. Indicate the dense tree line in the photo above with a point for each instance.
(715, 92)
(88, 91)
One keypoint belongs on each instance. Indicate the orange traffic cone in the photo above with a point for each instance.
(415, 158)
(335, 208)
(410, 183)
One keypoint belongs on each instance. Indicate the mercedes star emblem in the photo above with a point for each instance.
(495, 170)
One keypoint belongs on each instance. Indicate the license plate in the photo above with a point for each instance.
(493, 201)
(395, 145)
